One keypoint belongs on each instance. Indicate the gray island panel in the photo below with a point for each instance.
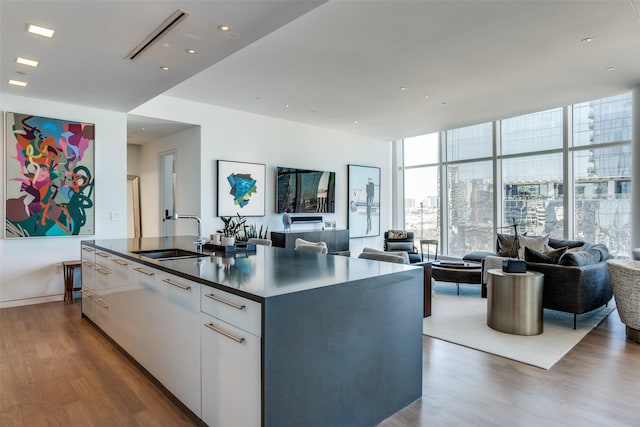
(345, 355)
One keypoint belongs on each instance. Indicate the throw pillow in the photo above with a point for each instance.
(402, 254)
(505, 242)
(396, 234)
(581, 258)
(546, 257)
(557, 243)
(300, 241)
(400, 246)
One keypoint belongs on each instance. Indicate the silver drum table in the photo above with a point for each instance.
(514, 302)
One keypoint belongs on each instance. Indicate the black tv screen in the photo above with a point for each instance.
(305, 191)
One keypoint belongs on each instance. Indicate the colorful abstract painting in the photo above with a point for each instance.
(49, 177)
(241, 188)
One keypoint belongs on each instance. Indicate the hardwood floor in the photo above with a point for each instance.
(57, 370)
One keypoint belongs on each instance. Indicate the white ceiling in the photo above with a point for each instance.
(338, 65)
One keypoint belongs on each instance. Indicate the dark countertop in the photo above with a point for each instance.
(257, 275)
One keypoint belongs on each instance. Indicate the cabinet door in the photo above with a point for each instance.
(230, 375)
(103, 306)
(179, 344)
(121, 272)
(88, 289)
(147, 335)
(166, 340)
(88, 281)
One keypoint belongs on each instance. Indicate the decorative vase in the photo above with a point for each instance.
(286, 221)
(228, 241)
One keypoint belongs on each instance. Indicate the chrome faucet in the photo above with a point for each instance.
(200, 241)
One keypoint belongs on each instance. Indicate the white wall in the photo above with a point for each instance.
(133, 159)
(233, 135)
(27, 266)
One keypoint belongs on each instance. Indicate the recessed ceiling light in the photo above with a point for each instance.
(287, 105)
(224, 28)
(610, 68)
(403, 88)
(28, 62)
(355, 122)
(41, 31)
(425, 96)
(164, 68)
(17, 83)
(587, 40)
(191, 51)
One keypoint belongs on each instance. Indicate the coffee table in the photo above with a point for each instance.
(455, 272)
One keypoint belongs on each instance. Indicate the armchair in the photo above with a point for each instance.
(625, 281)
(401, 240)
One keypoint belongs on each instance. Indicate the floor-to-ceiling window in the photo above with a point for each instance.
(421, 186)
(469, 153)
(532, 172)
(601, 157)
(565, 172)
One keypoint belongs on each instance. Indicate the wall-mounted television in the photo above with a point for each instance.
(305, 191)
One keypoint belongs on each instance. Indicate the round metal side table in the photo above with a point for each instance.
(514, 302)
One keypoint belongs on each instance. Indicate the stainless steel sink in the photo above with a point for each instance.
(164, 254)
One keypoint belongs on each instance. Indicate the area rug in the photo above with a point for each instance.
(463, 320)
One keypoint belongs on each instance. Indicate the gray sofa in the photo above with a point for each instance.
(577, 283)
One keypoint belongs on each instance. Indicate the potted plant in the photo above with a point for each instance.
(232, 226)
(251, 231)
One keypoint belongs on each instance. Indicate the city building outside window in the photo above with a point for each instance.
(421, 187)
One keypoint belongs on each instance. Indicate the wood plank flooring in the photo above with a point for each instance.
(57, 370)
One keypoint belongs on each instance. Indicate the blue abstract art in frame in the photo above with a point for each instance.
(241, 188)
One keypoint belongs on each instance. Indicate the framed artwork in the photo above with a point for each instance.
(241, 188)
(49, 182)
(364, 201)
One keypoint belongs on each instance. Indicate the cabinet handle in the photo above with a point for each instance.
(225, 333)
(88, 264)
(103, 304)
(102, 254)
(143, 271)
(84, 248)
(103, 271)
(87, 293)
(120, 262)
(177, 285)
(224, 301)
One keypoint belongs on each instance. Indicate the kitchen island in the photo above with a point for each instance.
(269, 337)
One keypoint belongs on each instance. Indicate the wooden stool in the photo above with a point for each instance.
(69, 269)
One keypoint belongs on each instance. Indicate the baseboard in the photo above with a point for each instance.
(30, 301)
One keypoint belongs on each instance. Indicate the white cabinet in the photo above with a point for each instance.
(167, 320)
(240, 312)
(230, 331)
(230, 375)
(103, 306)
(201, 343)
(88, 281)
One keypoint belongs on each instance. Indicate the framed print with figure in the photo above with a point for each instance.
(364, 201)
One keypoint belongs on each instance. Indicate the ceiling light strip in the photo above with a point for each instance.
(41, 31)
(169, 23)
(26, 61)
(17, 83)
